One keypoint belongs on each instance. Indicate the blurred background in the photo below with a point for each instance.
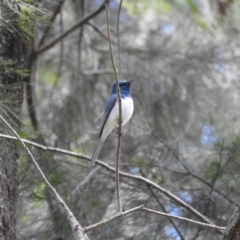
(184, 135)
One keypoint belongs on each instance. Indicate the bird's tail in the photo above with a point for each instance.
(97, 151)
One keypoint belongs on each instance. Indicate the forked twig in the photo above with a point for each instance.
(110, 219)
(184, 219)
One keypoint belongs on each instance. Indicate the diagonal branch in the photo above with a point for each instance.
(116, 216)
(98, 30)
(184, 219)
(51, 20)
(77, 229)
(164, 210)
(78, 24)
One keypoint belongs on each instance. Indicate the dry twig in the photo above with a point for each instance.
(77, 229)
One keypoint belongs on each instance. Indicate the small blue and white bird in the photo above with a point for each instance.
(111, 113)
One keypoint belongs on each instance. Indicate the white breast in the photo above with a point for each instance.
(127, 109)
(127, 112)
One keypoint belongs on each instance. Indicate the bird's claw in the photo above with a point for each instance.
(118, 121)
(118, 133)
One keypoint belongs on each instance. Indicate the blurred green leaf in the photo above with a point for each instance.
(48, 75)
(201, 21)
(211, 170)
(24, 218)
(143, 163)
(57, 178)
(38, 194)
(139, 7)
(193, 6)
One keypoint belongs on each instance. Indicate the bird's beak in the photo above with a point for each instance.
(130, 81)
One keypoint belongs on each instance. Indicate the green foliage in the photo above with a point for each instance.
(193, 6)
(38, 194)
(24, 218)
(24, 134)
(29, 15)
(26, 15)
(22, 158)
(57, 178)
(9, 66)
(49, 75)
(201, 21)
(95, 203)
(144, 164)
(135, 8)
(235, 145)
(158, 178)
(212, 170)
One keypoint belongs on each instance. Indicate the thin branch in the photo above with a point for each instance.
(212, 188)
(98, 30)
(78, 24)
(77, 229)
(29, 89)
(97, 72)
(163, 208)
(114, 217)
(80, 41)
(215, 227)
(93, 47)
(87, 178)
(120, 116)
(51, 20)
(124, 174)
(118, 37)
(192, 174)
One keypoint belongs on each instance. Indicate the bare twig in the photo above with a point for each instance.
(97, 72)
(120, 116)
(118, 36)
(78, 24)
(51, 20)
(212, 188)
(87, 178)
(163, 208)
(98, 30)
(185, 219)
(77, 229)
(114, 217)
(29, 89)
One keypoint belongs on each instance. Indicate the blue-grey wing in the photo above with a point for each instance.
(109, 106)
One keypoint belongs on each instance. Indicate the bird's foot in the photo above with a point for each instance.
(118, 133)
(118, 121)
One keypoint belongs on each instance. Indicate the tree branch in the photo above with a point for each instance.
(232, 231)
(184, 219)
(78, 24)
(114, 217)
(124, 174)
(77, 229)
(55, 13)
(163, 208)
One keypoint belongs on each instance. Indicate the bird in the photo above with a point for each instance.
(111, 114)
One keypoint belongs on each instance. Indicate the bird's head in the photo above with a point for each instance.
(123, 85)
